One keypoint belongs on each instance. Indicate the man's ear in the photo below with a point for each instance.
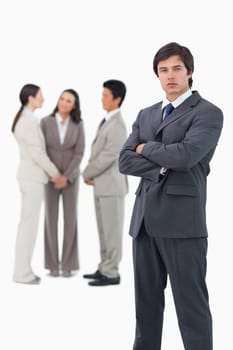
(118, 101)
(190, 74)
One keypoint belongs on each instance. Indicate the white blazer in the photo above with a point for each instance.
(34, 164)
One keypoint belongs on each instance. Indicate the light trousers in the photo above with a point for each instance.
(110, 218)
(31, 199)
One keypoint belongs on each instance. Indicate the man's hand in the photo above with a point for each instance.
(89, 182)
(139, 148)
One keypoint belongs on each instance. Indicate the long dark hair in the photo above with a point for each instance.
(76, 112)
(26, 91)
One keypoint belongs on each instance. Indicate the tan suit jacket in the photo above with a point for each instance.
(103, 162)
(34, 165)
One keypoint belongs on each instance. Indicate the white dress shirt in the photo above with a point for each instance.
(62, 128)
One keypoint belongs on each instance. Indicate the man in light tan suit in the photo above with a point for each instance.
(110, 187)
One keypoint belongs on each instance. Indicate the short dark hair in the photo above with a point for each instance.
(117, 88)
(173, 49)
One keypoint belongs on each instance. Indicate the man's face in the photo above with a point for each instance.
(108, 101)
(173, 76)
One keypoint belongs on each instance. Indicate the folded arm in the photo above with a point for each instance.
(133, 163)
(199, 140)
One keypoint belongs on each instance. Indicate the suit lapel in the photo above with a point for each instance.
(180, 111)
(106, 124)
(54, 129)
(176, 114)
(55, 132)
(155, 118)
(69, 132)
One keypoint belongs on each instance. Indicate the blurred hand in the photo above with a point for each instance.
(60, 182)
(54, 178)
(89, 182)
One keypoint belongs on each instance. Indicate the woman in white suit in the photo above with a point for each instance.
(35, 169)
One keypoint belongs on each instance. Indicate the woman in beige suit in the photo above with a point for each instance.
(64, 135)
(34, 170)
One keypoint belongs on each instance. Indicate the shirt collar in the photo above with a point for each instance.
(110, 114)
(179, 99)
(30, 113)
(59, 119)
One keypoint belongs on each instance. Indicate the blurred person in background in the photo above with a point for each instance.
(110, 187)
(64, 136)
(35, 169)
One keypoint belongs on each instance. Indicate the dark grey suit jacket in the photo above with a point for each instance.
(184, 143)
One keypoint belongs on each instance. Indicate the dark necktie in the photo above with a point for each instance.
(102, 122)
(168, 109)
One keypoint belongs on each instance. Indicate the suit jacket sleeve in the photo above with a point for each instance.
(34, 144)
(199, 140)
(42, 125)
(108, 155)
(132, 163)
(73, 169)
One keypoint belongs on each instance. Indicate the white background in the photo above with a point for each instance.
(79, 44)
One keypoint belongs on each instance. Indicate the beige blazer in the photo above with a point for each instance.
(103, 162)
(34, 164)
(67, 156)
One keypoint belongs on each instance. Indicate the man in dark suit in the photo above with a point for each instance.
(170, 147)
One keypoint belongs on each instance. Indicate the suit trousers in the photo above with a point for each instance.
(69, 256)
(110, 219)
(31, 199)
(184, 261)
